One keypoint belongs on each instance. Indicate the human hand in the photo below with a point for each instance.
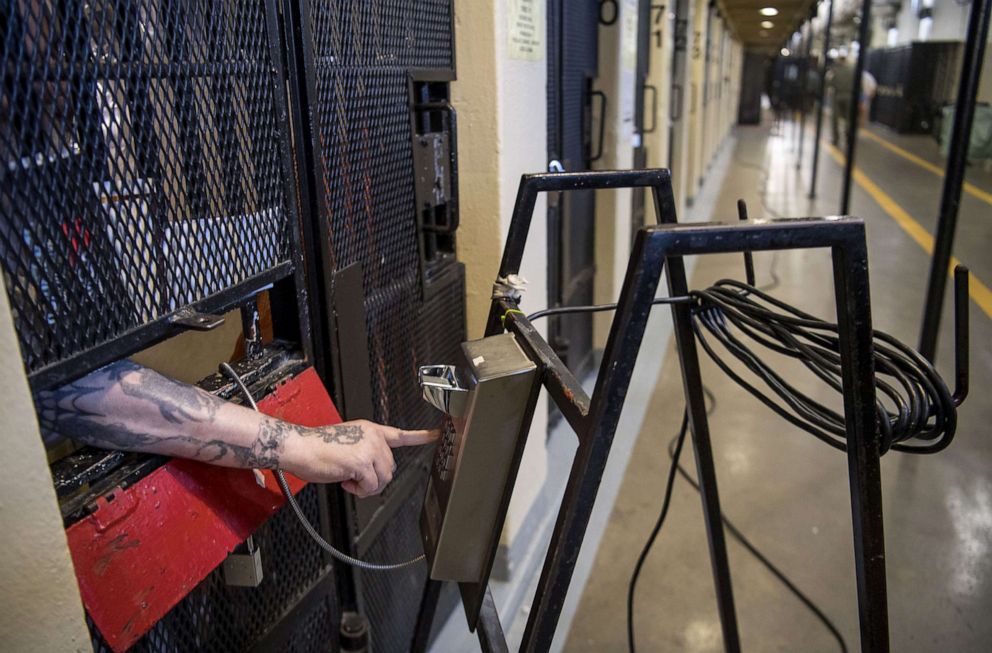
(357, 454)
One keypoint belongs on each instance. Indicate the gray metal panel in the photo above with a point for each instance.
(463, 510)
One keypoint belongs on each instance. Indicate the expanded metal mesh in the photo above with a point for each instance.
(218, 617)
(315, 631)
(362, 55)
(142, 163)
(391, 600)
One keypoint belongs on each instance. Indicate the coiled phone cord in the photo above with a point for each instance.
(291, 500)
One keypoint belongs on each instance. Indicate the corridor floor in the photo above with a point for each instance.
(784, 489)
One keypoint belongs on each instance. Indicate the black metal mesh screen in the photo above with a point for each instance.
(399, 353)
(391, 601)
(363, 51)
(362, 55)
(142, 162)
(316, 632)
(217, 617)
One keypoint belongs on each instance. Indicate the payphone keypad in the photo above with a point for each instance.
(488, 399)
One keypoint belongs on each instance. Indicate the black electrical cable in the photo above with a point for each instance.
(914, 403)
(669, 486)
(919, 404)
(673, 454)
(600, 308)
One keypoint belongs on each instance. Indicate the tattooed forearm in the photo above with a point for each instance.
(265, 450)
(339, 434)
(125, 406)
(176, 402)
(235, 455)
(61, 410)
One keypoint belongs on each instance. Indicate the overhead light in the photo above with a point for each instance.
(785, 52)
(767, 24)
(769, 11)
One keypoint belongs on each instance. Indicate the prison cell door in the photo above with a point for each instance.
(378, 145)
(697, 82)
(572, 67)
(654, 94)
(678, 125)
(643, 92)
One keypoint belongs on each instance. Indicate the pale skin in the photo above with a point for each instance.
(129, 407)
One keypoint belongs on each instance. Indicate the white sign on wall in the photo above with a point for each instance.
(525, 36)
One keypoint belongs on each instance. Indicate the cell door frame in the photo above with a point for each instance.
(562, 285)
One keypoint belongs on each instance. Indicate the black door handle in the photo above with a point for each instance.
(675, 110)
(602, 126)
(654, 109)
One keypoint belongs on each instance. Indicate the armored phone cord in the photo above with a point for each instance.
(291, 500)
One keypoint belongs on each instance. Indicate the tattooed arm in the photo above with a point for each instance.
(126, 406)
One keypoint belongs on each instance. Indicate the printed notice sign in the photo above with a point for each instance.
(526, 34)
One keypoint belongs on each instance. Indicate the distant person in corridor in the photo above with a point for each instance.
(840, 82)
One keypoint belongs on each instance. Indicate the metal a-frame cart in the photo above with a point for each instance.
(594, 419)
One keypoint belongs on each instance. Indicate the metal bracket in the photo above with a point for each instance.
(190, 319)
(432, 171)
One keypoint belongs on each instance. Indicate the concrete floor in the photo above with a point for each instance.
(787, 491)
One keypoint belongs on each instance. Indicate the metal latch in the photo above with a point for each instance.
(432, 169)
(441, 389)
(197, 321)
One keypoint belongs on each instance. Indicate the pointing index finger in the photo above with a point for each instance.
(401, 438)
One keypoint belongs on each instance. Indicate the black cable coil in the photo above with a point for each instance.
(913, 401)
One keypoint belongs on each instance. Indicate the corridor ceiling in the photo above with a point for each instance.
(746, 20)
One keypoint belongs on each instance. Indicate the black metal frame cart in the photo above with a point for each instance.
(594, 419)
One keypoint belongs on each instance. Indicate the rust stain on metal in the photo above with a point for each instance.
(113, 547)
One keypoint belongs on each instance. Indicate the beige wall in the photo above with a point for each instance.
(617, 78)
(660, 45)
(40, 609)
(502, 109)
(708, 97)
(193, 355)
(681, 135)
(697, 64)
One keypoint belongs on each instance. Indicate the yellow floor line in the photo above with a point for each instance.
(971, 189)
(978, 290)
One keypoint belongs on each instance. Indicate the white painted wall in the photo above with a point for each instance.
(617, 78)
(950, 20)
(502, 134)
(40, 609)
(949, 23)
